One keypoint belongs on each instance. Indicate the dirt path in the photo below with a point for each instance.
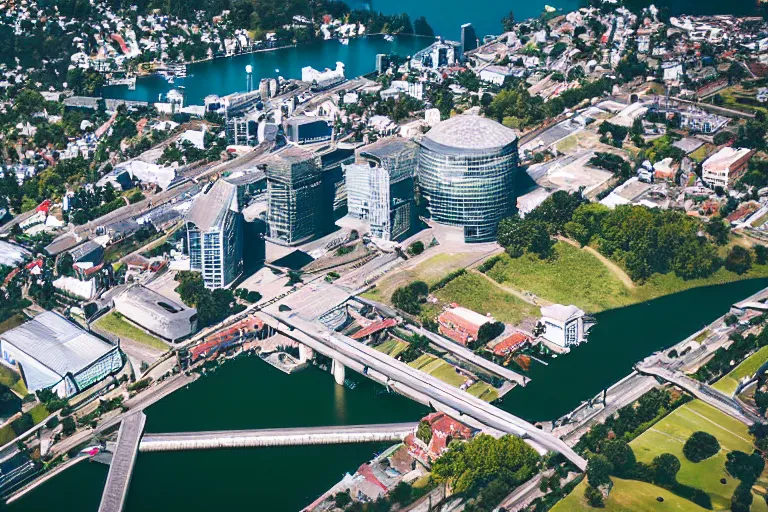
(617, 270)
(538, 301)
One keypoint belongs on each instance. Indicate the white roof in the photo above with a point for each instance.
(60, 346)
(470, 316)
(82, 289)
(11, 255)
(561, 313)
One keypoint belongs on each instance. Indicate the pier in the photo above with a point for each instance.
(123, 460)
(301, 436)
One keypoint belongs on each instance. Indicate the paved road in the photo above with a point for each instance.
(123, 460)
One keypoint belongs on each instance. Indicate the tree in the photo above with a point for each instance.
(761, 254)
(489, 331)
(665, 468)
(508, 22)
(342, 499)
(739, 260)
(518, 236)
(422, 28)
(68, 426)
(741, 501)
(620, 455)
(599, 470)
(424, 432)
(416, 248)
(718, 230)
(410, 297)
(744, 467)
(65, 265)
(700, 446)
(593, 497)
(401, 493)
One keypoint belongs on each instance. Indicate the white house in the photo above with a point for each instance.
(564, 326)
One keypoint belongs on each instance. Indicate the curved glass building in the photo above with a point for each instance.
(466, 172)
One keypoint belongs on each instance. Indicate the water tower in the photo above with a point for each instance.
(248, 78)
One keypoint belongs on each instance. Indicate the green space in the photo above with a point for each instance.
(12, 322)
(446, 372)
(728, 383)
(669, 436)
(700, 154)
(702, 336)
(392, 347)
(11, 379)
(574, 276)
(483, 391)
(628, 496)
(39, 413)
(117, 325)
(474, 292)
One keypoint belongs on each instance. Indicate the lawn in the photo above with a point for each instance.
(576, 277)
(669, 435)
(628, 496)
(474, 292)
(392, 347)
(573, 276)
(444, 371)
(483, 391)
(114, 323)
(12, 380)
(728, 383)
(39, 413)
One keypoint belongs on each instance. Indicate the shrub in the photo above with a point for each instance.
(424, 432)
(416, 248)
(593, 497)
(68, 425)
(410, 297)
(700, 446)
(739, 260)
(599, 470)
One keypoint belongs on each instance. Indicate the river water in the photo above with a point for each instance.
(248, 393)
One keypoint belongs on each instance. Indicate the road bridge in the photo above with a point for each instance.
(703, 392)
(342, 434)
(412, 382)
(123, 460)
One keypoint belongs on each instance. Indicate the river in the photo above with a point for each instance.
(248, 393)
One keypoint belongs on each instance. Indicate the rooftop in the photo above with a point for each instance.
(561, 313)
(469, 133)
(210, 208)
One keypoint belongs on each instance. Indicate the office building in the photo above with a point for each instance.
(215, 235)
(294, 194)
(725, 167)
(157, 314)
(382, 62)
(466, 172)
(308, 130)
(468, 38)
(380, 186)
(50, 352)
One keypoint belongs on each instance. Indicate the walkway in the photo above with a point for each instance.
(123, 460)
(703, 392)
(276, 437)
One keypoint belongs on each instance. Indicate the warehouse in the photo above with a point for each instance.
(156, 314)
(50, 352)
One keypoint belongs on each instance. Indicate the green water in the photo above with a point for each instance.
(247, 393)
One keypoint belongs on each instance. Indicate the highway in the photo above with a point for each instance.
(366, 360)
(340, 434)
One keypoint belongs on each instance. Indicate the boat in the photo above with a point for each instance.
(170, 79)
(389, 38)
(344, 40)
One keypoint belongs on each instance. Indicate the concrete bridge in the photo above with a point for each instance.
(703, 392)
(275, 437)
(348, 353)
(123, 460)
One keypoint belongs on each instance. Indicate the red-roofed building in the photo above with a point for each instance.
(511, 344)
(11, 275)
(461, 324)
(119, 40)
(243, 329)
(45, 206)
(35, 267)
(444, 430)
(374, 328)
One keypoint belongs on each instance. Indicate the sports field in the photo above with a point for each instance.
(669, 436)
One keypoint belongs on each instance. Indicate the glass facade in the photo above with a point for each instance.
(473, 189)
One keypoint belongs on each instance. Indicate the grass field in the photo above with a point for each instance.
(576, 277)
(392, 347)
(474, 292)
(39, 413)
(12, 380)
(573, 277)
(728, 383)
(444, 371)
(121, 328)
(628, 496)
(669, 435)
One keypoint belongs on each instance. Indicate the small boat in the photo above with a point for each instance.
(170, 79)
(344, 40)
(389, 38)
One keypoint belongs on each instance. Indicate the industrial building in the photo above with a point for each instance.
(294, 193)
(50, 352)
(214, 227)
(156, 313)
(466, 171)
(380, 186)
(725, 167)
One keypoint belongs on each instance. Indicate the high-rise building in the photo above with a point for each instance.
(466, 172)
(214, 235)
(380, 186)
(468, 38)
(382, 62)
(294, 194)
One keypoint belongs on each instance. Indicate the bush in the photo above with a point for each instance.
(139, 385)
(410, 297)
(700, 446)
(739, 260)
(489, 331)
(593, 497)
(416, 248)
(68, 425)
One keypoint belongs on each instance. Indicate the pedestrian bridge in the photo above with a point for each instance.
(123, 460)
(343, 434)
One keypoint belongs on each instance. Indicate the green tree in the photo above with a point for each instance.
(424, 432)
(739, 260)
(599, 470)
(508, 22)
(718, 230)
(700, 446)
(519, 236)
(594, 497)
(665, 468)
(620, 455)
(761, 254)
